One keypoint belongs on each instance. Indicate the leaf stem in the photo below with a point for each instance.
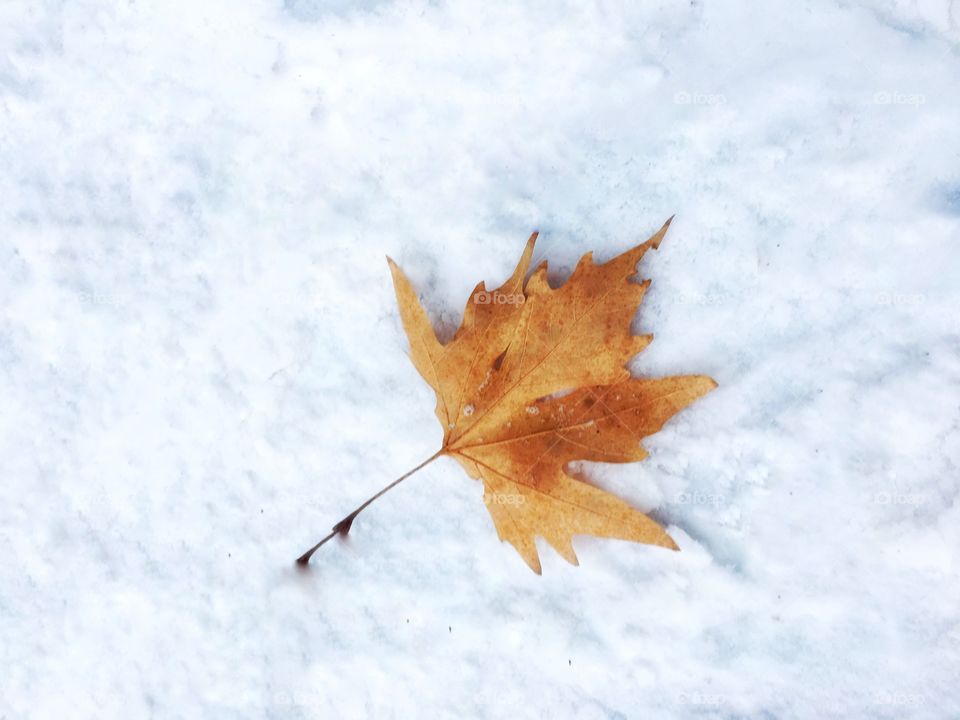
(343, 527)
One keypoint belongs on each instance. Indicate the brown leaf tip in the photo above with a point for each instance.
(658, 237)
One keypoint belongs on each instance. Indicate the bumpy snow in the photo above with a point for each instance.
(202, 367)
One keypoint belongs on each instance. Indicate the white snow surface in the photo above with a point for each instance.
(202, 367)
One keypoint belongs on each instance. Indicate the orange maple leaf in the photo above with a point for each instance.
(536, 377)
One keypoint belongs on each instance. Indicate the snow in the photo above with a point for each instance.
(203, 368)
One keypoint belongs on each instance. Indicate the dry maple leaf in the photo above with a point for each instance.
(536, 377)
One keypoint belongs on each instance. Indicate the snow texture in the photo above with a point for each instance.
(202, 367)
